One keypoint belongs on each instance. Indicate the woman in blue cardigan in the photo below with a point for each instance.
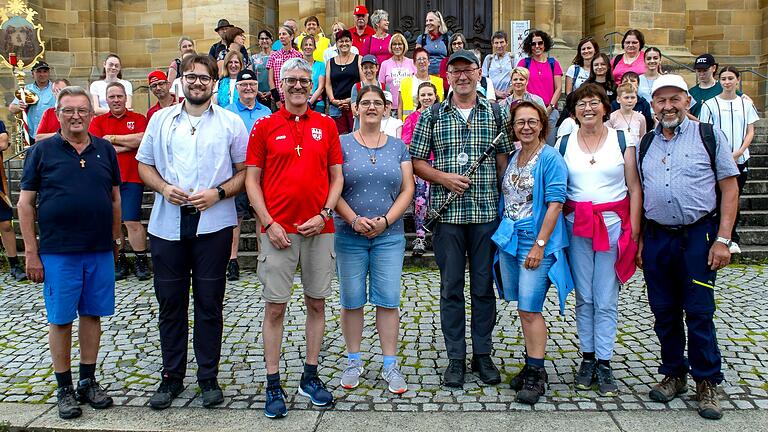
(531, 239)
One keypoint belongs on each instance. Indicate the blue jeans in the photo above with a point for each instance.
(527, 287)
(597, 291)
(378, 261)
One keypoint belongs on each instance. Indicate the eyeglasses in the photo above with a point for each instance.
(157, 84)
(264, 38)
(69, 112)
(247, 84)
(532, 123)
(592, 104)
(422, 60)
(305, 82)
(190, 78)
(367, 103)
(457, 73)
(537, 43)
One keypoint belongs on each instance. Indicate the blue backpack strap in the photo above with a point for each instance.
(564, 144)
(622, 141)
(645, 144)
(527, 62)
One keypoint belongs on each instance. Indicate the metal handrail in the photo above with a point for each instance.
(7, 167)
(682, 65)
(765, 81)
(612, 44)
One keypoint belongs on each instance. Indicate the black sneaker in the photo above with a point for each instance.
(141, 268)
(485, 369)
(68, 407)
(454, 373)
(121, 267)
(233, 270)
(17, 273)
(585, 377)
(166, 393)
(606, 384)
(517, 381)
(90, 392)
(534, 386)
(212, 394)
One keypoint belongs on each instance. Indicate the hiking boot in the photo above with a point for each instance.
(606, 384)
(485, 369)
(233, 270)
(121, 267)
(90, 392)
(68, 407)
(709, 405)
(315, 390)
(517, 381)
(419, 246)
(454, 373)
(211, 392)
(669, 388)
(350, 378)
(585, 377)
(534, 385)
(166, 393)
(275, 407)
(141, 268)
(17, 273)
(395, 380)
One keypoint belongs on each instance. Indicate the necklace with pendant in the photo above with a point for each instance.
(371, 155)
(592, 152)
(193, 127)
(629, 126)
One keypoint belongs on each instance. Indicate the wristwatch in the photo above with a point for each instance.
(222, 193)
(724, 241)
(326, 213)
(117, 242)
(540, 242)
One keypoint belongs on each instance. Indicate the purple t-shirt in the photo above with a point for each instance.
(391, 73)
(379, 47)
(541, 82)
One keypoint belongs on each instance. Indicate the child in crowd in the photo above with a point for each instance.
(642, 106)
(626, 117)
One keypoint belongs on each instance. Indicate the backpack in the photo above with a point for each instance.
(617, 59)
(424, 39)
(619, 134)
(434, 110)
(550, 60)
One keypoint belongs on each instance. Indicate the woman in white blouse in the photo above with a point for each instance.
(111, 72)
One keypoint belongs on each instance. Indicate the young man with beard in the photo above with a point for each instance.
(294, 181)
(161, 88)
(685, 241)
(192, 157)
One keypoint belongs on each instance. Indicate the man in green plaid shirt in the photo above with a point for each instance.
(463, 129)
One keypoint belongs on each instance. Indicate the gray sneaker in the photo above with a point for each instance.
(90, 392)
(350, 378)
(395, 380)
(419, 246)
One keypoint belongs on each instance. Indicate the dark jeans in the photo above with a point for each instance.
(203, 259)
(681, 292)
(741, 180)
(452, 244)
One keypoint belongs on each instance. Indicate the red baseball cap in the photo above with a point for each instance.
(155, 76)
(361, 10)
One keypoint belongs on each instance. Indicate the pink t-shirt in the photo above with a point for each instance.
(409, 125)
(391, 73)
(379, 47)
(541, 82)
(637, 66)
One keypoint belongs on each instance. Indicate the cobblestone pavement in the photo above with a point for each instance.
(130, 360)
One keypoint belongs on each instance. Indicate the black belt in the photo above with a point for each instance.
(680, 229)
(189, 209)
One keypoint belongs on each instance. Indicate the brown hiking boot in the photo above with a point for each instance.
(709, 405)
(669, 388)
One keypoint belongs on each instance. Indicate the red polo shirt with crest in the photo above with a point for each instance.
(294, 153)
(128, 123)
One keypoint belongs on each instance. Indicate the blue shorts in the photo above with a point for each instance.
(131, 195)
(378, 261)
(527, 287)
(6, 213)
(243, 206)
(78, 283)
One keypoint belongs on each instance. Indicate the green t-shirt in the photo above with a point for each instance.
(700, 95)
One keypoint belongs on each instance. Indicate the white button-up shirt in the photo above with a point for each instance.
(219, 141)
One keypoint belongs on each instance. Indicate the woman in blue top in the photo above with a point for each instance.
(370, 240)
(317, 96)
(226, 92)
(531, 238)
(434, 40)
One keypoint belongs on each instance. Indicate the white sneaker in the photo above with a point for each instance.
(734, 248)
(350, 378)
(395, 380)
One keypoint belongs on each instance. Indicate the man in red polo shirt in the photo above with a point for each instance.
(125, 129)
(49, 124)
(361, 31)
(161, 88)
(294, 180)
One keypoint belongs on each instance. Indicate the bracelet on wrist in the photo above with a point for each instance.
(354, 222)
(266, 227)
(386, 220)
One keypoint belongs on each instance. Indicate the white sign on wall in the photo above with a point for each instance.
(517, 35)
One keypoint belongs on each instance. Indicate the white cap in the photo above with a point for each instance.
(669, 80)
(388, 96)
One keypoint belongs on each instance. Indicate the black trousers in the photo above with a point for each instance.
(203, 259)
(452, 244)
(741, 180)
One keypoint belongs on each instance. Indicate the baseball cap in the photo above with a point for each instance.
(361, 10)
(369, 58)
(669, 80)
(246, 75)
(464, 55)
(704, 61)
(222, 23)
(156, 76)
(40, 65)
(388, 96)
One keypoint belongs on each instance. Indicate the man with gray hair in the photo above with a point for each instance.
(74, 256)
(294, 181)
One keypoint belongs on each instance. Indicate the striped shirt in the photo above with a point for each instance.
(275, 63)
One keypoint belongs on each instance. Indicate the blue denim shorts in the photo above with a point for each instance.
(377, 263)
(527, 287)
(78, 283)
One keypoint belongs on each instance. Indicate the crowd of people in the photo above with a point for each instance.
(327, 142)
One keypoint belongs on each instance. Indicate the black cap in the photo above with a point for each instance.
(369, 58)
(464, 55)
(246, 75)
(704, 61)
(40, 65)
(222, 23)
